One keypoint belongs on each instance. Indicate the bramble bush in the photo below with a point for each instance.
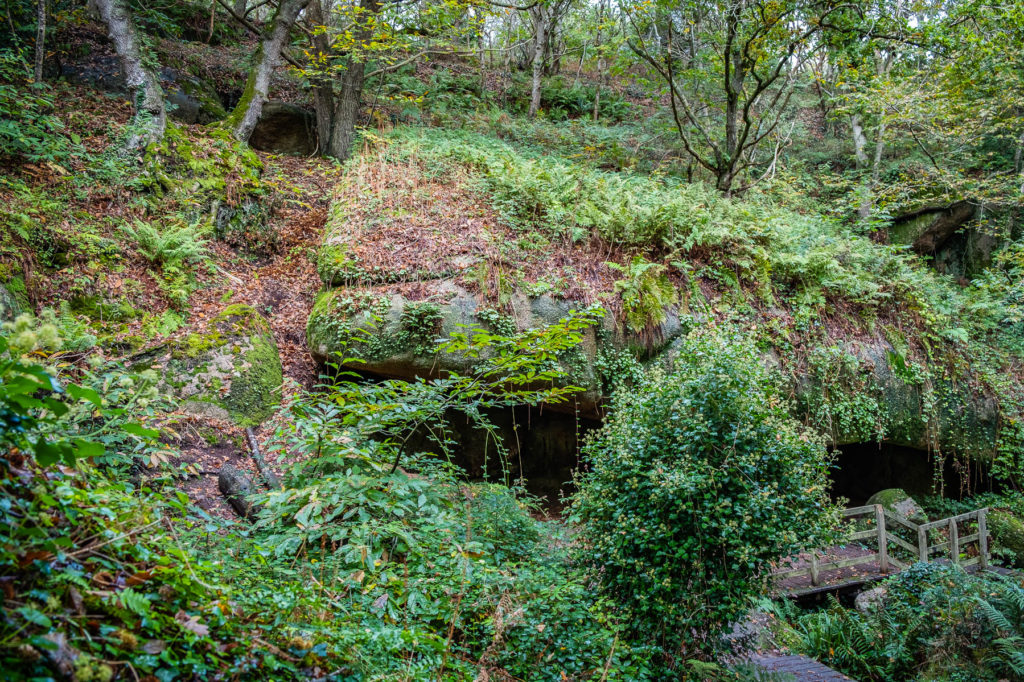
(698, 479)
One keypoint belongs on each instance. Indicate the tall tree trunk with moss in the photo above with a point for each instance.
(322, 83)
(247, 112)
(40, 39)
(150, 119)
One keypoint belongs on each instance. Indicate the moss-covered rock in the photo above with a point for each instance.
(231, 371)
(393, 336)
(1007, 533)
(97, 308)
(897, 501)
(13, 299)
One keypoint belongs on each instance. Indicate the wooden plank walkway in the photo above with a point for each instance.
(891, 545)
(801, 668)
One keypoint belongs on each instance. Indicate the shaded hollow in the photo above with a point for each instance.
(862, 469)
(541, 447)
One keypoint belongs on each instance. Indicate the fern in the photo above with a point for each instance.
(133, 601)
(168, 246)
(646, 293)
(1004, 611)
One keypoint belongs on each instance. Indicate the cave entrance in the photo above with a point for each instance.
(542, 449)
(859, 470)
(542, 446)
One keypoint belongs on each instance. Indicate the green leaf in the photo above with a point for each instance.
(140, 430)
(85, 393)
(88, 448)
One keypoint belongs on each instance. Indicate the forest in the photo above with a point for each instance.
(512, 340)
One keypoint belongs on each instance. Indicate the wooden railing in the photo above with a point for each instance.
(949, 538)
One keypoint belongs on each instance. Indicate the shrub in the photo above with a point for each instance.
(697, 481)
(28, 128)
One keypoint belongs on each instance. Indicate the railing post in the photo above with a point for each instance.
(982, 539)
(883, 544)
(922, 544)
(954, 541)
(815, 578)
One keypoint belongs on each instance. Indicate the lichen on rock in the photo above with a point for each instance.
(13, 299)
(231, 371)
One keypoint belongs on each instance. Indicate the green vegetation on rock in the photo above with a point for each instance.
(232, 370)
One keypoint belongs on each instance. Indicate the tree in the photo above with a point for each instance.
(697, 481)
(864, 46)
(40, 39)
(353, 42)
(544, 17)
(342, 37)
(730, 67)
(150, 120)
(247, 112)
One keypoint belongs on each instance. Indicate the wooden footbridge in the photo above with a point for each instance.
(884, 543)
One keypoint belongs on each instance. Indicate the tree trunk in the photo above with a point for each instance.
(346, 111)
(541, 24)
(247, 112)
(735, 73)
(860, 142)
(40, 39)
(876, 162)
(150, 119)
(346, 105)
(323, 88)
(240, 7)
(1018, 156)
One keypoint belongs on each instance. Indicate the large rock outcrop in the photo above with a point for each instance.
(863, 390)
(394, 336)
(189, 99)
(285, 129)
(944, 234)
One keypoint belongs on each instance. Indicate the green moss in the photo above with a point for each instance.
(255, 391)
(211, 162)
(239, 319)
(13, 298)
(237, 351)
(236, 115)
(899, 502)
(96, 308)
(334, 261)
(194, 345)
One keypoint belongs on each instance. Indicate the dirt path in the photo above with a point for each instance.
(281, 287)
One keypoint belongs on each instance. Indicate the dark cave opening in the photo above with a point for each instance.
(859, 470)
(542, 448)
